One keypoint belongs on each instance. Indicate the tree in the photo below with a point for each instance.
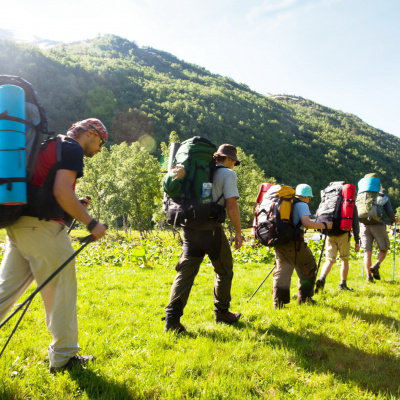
(98, 183)
(123, 183)
(137, 176)
(250, 177)
(131, 125)
(100, 103)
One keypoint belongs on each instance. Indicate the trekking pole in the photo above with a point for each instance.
(394, 251)
(28, 301)
(269, 273)
(320, 257)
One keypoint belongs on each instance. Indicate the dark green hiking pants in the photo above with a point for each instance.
(197, 244)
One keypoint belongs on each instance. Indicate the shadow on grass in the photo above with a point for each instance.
(98, 387)
(212, 333)
(318, 353)
(390, 322)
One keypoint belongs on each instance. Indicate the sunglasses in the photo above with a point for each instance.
(98, 134)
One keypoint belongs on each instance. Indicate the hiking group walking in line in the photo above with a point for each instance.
(201, 190)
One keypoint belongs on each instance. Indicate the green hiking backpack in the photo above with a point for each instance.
(189, 200)
(370, 207)
(370, 202)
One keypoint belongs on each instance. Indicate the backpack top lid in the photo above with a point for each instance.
(279, 191)
(198, 148)
(369, 184)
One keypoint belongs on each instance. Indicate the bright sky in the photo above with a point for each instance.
(344, 54)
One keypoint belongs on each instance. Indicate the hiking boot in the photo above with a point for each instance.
(343, 286)
(320, 284)
(176, 327)
(227, 317)
(308, 300)
(375, 272)
(370, 278)
(73, 362)
(278, 305)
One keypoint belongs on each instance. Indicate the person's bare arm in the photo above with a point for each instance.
(64, 193)
(232, 208)
(307, 223)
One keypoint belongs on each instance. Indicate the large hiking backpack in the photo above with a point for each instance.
(369, 201)
(274, 221)
(189, 200)
(36, 131)
(337, 205)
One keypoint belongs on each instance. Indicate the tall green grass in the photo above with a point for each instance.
(345, 347)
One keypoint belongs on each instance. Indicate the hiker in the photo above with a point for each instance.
(339, 241)
(375, 230)
(296, 255)
(209, 238)
(38, 243)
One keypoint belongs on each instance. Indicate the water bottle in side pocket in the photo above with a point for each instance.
(206, 193)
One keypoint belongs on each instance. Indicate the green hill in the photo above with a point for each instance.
(144, 91)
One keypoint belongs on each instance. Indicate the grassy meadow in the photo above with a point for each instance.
(347, 346)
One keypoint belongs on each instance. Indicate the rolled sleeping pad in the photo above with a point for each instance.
(12, 145)
(172, 152)
(263, 189)
(369, 184)
(347, 207)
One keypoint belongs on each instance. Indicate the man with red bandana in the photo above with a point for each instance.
(38, 243)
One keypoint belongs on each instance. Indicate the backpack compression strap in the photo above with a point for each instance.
(9, 182)
(4, 116)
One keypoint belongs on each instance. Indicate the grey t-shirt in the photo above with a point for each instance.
(225, 184)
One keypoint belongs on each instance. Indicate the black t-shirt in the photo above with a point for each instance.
(71, 156)
(60, 153)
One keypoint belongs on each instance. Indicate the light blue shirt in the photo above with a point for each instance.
(299, 210)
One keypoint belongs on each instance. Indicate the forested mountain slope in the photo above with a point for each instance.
(146, 92)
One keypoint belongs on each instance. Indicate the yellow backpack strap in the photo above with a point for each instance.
(286, 193)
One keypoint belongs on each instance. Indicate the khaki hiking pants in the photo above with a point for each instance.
(289, 257)
(34, 250)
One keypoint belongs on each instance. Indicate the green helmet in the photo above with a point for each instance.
(304, 190)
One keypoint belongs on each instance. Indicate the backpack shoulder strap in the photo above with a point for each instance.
(214, 169)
